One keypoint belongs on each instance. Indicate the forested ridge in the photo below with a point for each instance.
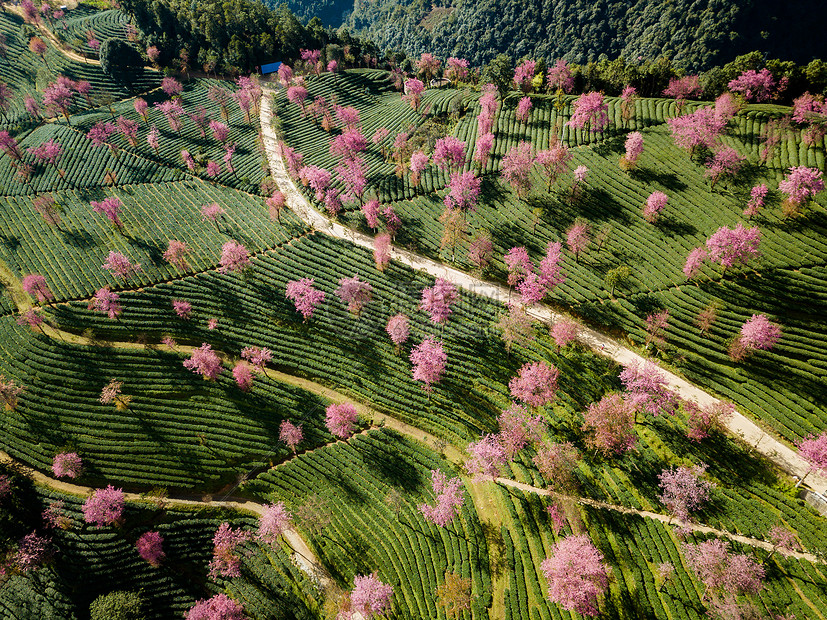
(695, 34)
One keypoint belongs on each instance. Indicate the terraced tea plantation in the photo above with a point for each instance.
(214, 404)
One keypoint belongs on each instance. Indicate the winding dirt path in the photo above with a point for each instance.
(739, 425)
(695, 527)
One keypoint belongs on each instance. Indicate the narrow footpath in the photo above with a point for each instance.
(738, 425)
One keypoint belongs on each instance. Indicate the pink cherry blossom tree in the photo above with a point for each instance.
(481, 251)
(609, 424)
(428, 359)
(647, 388)
(355, 293)
(703, 421)
(120, 266)
(413, 93)
(757, 196)
(150, 547)
(634, 149)
(694, 262)
(486, 458)
(370, 597)
(724, 573)
(449, 153)
(225, 561)
(557, 462)
(563, 333)
(524, 74)
(305, 296)
(560, 77)
(683, 490)
(680, 89)
(111, 208)
(578, 237)
(419, 162)
(104, 506)
(516, 167)
(754, 85)
(35, 285)
(655, 203)
(656, 324)
(382, 250)
(551, 269)
(456, 69)
(33, 551)
(731, 246)
(814, 450)
(340, 419)
(243, 376)
(438, 299)
(259, 357)
(759, 333)
(176, 253)
(724, 164)
(398, 330)
(275, 519)
(291, 434)
(535, 384)
(234, 257)
(67, 465)
(449, 497)
(107, 302)
(463, 191)
(219, 607)
(577, 575)
(701, 128)
(518, 428)
(518, 264)
(482, 149)
(523, 109)
(204, 361)
(590, 110)
(799, 185)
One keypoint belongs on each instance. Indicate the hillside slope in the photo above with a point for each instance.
(695, 34)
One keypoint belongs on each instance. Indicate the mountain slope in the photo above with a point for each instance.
(695, 34)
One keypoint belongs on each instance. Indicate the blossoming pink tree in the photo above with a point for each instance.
(701, 128)
(449, 153)
(518, 428)
(305, 296)
(370, 597)
(523, 109)
(111, 208)
(563, 333)
(680, 89)
(234, 257)
(757, 196)
(176, 253)
(219, 607)
(104, 506)
(524, 75)
(724, 573)
(355, 293)
(647, 388)
(438, 299)
(799, 185)
(634, 149)
(557, 462)
(398, 330)
(463, 191)
(291, 434)
(428, 359)
(449, 497)
(703, 421)
(576, 575)
(578, 237)
(814, 451)
(107, 302)
(731, 246)
(754, 85)
(590, 111)
(204, 361)
(225, 561)
(243, 376)
(413, 93)
(655, 203)
(724, 164)
(119, 265)
(340, 419)
(516, 167)
(486, 458)
(150, 547)
(35, 285)
(683, 490)
(273, 522)
(67, 465)
(536, 384)
(609, 424)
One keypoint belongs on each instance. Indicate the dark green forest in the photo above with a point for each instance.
(694, 34)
